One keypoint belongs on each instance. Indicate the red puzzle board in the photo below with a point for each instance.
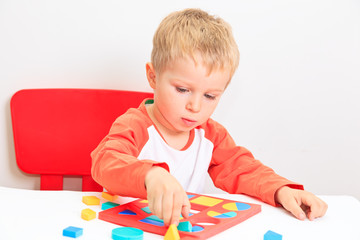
(211, 216)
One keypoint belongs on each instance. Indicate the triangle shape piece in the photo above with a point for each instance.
(172, 233)
(127, 212)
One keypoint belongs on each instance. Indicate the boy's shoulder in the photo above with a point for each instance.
(212, 125)
(134, 117)
(214, 130)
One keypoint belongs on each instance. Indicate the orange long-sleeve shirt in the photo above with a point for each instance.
(133, 145)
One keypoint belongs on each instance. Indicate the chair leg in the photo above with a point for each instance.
(89, 185)
(51, 182)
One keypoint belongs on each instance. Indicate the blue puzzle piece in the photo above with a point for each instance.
(197, 229)
(146, 209)
(155, 218)
(185, 226)
(270, 235)
(127, 233)
(108, 205)
(127, 212)
(73, 232)
(153, 222)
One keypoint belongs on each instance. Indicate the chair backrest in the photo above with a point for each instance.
(55, 130)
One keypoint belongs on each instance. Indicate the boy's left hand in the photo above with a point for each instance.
(301, 203)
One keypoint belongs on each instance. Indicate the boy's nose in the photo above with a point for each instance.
(194, 104)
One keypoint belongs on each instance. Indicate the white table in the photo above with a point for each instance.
(31, 214)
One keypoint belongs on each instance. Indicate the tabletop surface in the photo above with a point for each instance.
(33, 214)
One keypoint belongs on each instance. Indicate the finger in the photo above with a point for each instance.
(324, 208)
(167, 207)
(177, 207)
(150, 203)
(157, 206)
(186, 207)
(293, 207)
(309, 202)
(317, 208)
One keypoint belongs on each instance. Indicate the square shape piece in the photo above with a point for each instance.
(206, 201)
(73, 232)
(270, 235)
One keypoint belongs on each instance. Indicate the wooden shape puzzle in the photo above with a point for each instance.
(210, 216)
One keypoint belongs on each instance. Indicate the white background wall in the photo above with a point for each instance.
(294, 101)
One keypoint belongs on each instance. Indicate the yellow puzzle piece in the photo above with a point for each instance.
(109, 196)
(88, 214)
(206, 201)
(172, 233)
(91, 200)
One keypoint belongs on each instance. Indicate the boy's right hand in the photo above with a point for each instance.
(167, 199)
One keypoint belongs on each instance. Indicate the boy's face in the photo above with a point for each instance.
(185, 95)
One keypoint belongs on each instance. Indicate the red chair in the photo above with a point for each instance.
(55, 130)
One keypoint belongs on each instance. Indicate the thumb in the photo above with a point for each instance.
(293, 207)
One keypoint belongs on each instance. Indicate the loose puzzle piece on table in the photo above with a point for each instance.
(88, 214)
(91, 200)
(270, 235)
(210, 216)
(72, 232)
(127, 233)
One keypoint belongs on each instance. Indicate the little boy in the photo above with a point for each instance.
(167, 146)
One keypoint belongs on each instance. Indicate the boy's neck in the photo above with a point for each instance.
(176, 140)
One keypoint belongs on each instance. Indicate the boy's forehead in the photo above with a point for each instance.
(186, 70)
(195, 60)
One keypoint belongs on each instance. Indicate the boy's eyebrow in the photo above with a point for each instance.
(216, 90)
(177, 80)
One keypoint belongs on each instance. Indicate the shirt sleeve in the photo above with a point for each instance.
(114, 161)
(235, 170)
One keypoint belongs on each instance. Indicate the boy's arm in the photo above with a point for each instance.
(235, 170)
(114, 162)
(115, 166)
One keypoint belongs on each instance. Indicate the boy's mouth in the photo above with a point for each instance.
(188, 122)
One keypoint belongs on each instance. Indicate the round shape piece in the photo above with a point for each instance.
(127, 233)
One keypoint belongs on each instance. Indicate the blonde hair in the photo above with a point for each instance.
(188, 32)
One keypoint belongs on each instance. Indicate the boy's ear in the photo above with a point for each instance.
(151, 75)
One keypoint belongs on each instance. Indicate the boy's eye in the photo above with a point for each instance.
(209, 96)
(180, 89)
